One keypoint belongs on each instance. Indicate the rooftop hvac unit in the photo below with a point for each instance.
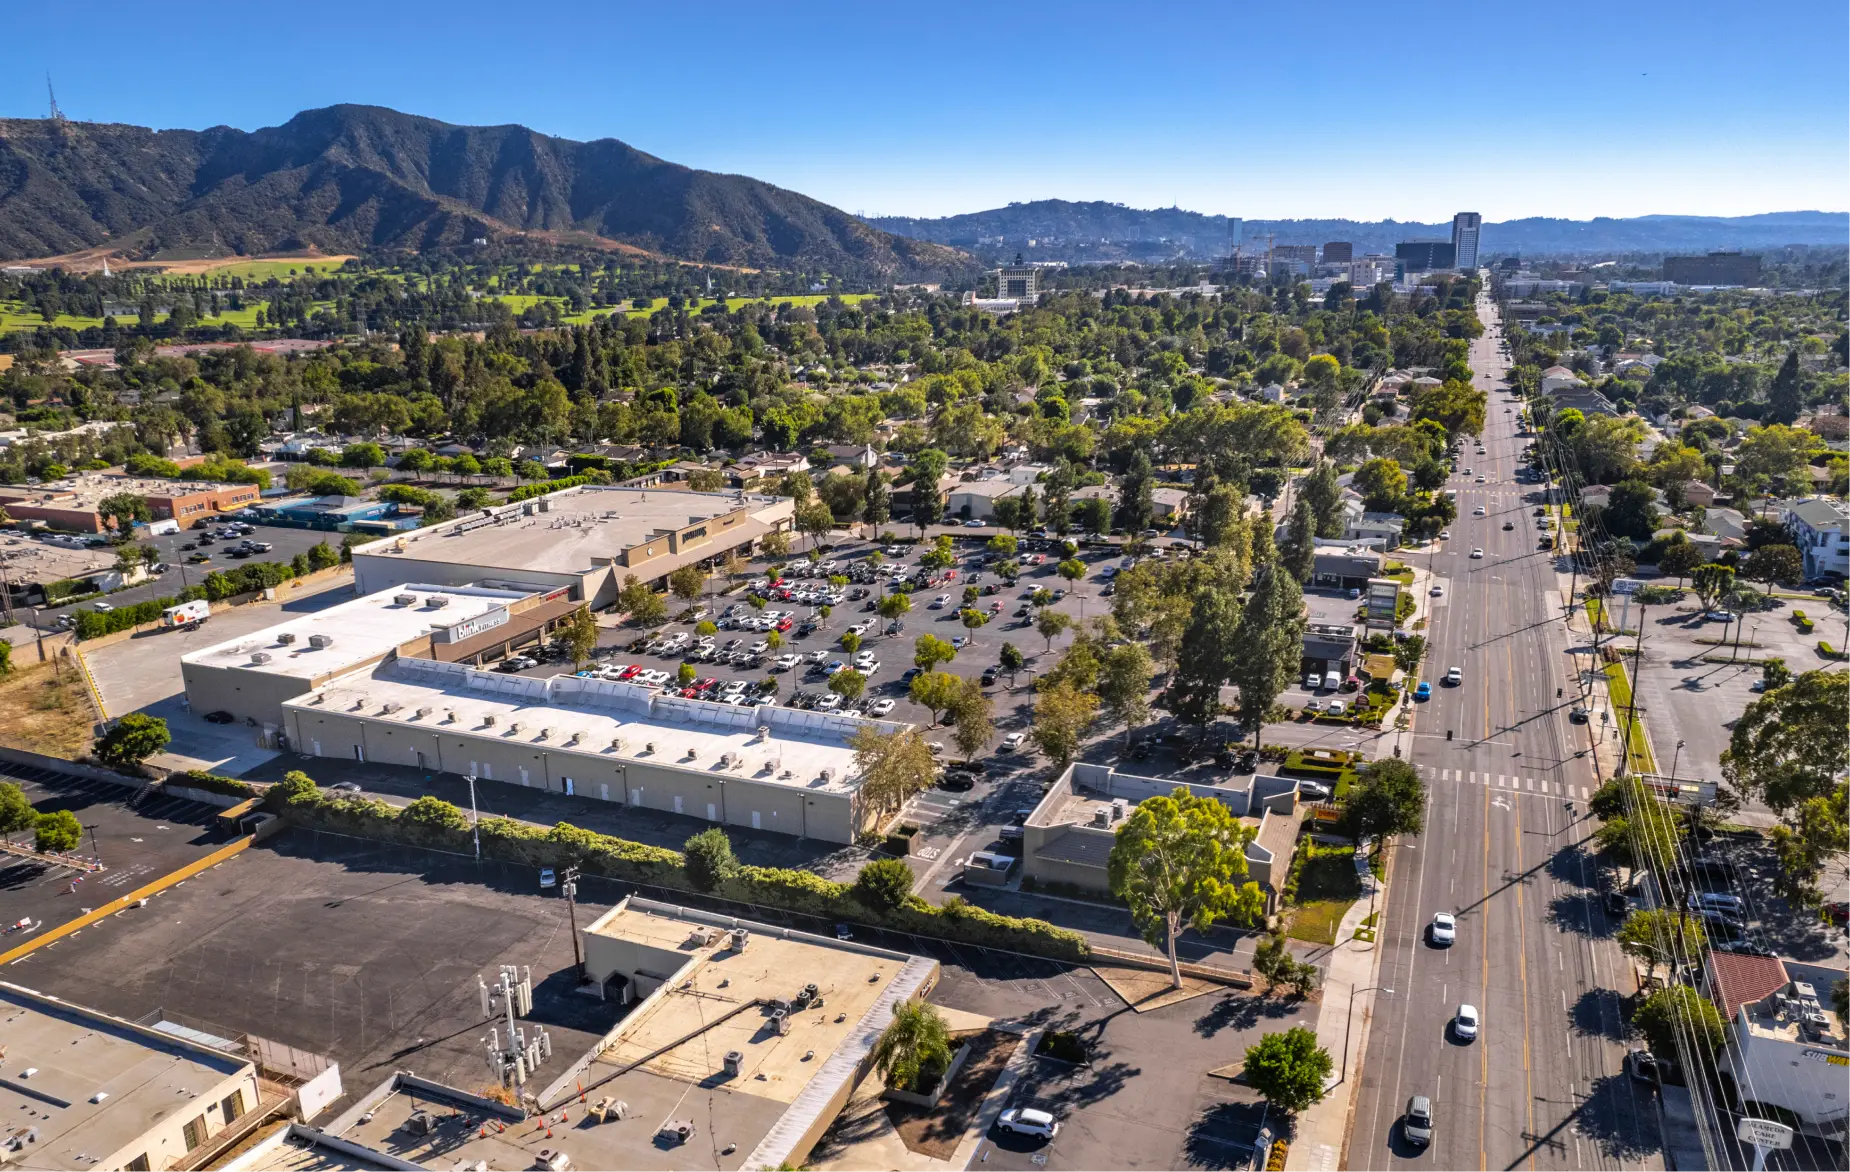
(1101, 816)
(725, 760)
(734, 1060)
(389, 706)
(405, 599)
(616, 744)
(421, 1123)
(693, 754)
(422, 713)
(764, 732)
(320, 642)
(649, 748)
(1804, 991)
(438, 601)
(739, 937)
(449, 716)
(488, 719)
(514, 728)
(260, 657)
(576, 737)
(780, 1021)
(676, 1132)
(1119, 809)
(828, 774)
(286, 638)
(545, 734)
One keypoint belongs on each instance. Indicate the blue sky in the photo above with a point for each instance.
(1409, 110)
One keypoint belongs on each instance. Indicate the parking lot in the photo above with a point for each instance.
(285, 543)
(135, 844)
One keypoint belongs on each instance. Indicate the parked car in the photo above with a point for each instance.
(548, 878)
(1014, 741)
(1028, 1121)
(1316, 791)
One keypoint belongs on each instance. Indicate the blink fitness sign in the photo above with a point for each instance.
(456, 632)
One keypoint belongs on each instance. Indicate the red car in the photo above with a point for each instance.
(631, 672)
(784, 624)
(995, 608)
(707, 684)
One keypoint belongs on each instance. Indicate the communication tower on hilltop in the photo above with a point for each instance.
(57, 115)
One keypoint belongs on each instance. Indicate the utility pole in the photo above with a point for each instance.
(570, 889)
(476, 831)
(1631, 709)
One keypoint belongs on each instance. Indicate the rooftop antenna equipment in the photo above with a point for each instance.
(57, 115)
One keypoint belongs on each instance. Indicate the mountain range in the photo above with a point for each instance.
(1096, 231)
(353, 178)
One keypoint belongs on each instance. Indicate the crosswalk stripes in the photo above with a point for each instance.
(1504, 781)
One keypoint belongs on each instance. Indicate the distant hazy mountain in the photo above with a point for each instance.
(348, 178)
(1077, 232)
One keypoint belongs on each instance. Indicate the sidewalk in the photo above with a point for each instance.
(1349, 988)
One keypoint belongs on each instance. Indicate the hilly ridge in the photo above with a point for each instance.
(1100, 231)
(351, 178)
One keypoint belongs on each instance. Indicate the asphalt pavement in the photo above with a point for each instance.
(1506, 850)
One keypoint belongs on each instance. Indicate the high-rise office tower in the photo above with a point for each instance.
(1338, 252)
(1465, 227)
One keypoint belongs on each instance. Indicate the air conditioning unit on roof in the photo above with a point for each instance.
(320, 642)
(405, 599)
(260, 657)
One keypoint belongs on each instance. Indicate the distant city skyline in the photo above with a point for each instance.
(875, 110)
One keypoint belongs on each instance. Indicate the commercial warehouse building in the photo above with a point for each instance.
(740, 1045)
(87, 1090)
(587, 539)
(73, 502)
(251, 676)
(763, 767)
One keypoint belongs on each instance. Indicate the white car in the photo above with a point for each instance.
(786, 662)
(973, 523)
(860, 628)
(1444, 928)
(1338, 707)
(1477, 553)
(656, 677)
(1313, 705)
(1028, 1121)
(1465, 1024)
(1478, 512)
(1014, 741)
(1480, 480)
(940, 602)
(863, 658)
(761, 646)
(1445, 535)
(1454, 676)
(1314, 680)
(1437, 591)
(820, 655)
(880, 708)
(828, 703)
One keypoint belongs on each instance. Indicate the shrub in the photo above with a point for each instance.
(57, 831)
(708, 858)
(1828, 651)
(883, 884)
(131, 740)
(1065, 1046)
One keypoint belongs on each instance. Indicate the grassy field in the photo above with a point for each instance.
(1619, 688)
(14, 316)
(259, 270)
(40, 714)
(522, 301)
(1327, 886)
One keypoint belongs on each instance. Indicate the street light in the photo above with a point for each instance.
(474, 818)
(1349, 1021)
(1673, 760)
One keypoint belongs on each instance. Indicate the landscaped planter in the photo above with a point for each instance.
(1059, 1046)
(930, 1097)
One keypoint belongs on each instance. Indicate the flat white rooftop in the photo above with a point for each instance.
(603, 719)
(577, 526)
(62, 1059)
(354, 632)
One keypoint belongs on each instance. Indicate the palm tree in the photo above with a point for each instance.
(916, 1039)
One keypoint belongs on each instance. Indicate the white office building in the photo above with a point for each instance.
(1465, 226)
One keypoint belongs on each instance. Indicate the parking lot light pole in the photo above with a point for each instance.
(1349, 1022)
(474, 818)
(569, 888)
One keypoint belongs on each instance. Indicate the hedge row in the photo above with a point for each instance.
(434, 823)
(213, 783)
(93, 624)
(527, 492)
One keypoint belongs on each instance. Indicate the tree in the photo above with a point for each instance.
(708, 859)
(971, 715)
(1289, 1069)
(581, 637)
(16, 813)
(131, 740)
(1325, 495)
(892, 766)
(883, 885)
(1662, 935)
(850, 642)
(1094, 515)
(1003, 545)
(687, 582)
(1178, 861)
(123, 509)
(849, 684)
(1072, 569)
(1811, 836)
(1631, 511)
(1136, 506)
(1676, 1016)
(1050, 623)
(57, 831)
(1062, 715)
(774, 640)
(1408, 652)
(1381, 483)
(1299, 553)
(1202, 659)
(776, 543)
(877, 501)
(685, 674)
(1124, 679)
(1768, 456)
(1388, 798)
(1789, 745)
(815, 520)
(928, 651)
(643, 605)
(1712, 583)
(935, 690)
(1680, 557)
(1641, 830)
(1267, 646)
(1772, 563)
(1785, 398)
(1011, 661)
(894, 605)
(915, 1048)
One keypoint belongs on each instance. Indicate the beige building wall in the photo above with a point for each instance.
(165, 1143)
(495, 753)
